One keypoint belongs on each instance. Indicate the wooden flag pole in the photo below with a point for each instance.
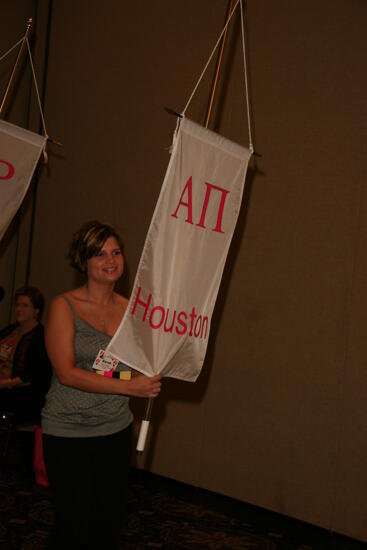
(218, 66)
(148, 411)
(15, 68)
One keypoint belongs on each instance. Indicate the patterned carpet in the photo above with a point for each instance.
(161, 514)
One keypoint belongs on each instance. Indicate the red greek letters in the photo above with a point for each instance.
(186, 201)
(188, 204)
(10, 170)
(170, 320)
(209, 187)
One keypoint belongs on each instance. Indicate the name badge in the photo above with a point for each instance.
(105, 361)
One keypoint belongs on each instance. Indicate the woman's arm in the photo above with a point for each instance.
(59, 339)
(12, 383)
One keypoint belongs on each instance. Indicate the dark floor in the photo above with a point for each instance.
(161, 514)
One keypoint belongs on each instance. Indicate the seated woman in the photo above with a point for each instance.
(25, 371)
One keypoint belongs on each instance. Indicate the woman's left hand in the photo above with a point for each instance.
(4, 383)
(5, 371)
(12, 382)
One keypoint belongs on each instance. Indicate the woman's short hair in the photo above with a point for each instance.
(88, 241)
(35, 296)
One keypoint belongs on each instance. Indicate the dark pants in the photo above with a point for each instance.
(88, 478)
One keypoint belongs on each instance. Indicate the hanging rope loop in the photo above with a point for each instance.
(24, 41)
(11, 49)
(251, 147)
(37, 92)
(239, 2)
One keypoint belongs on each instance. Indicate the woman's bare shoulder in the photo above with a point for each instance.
(59, 308)
(58, 300)
(121, 300)
(76, 296)
(75, 293)
(61, 300)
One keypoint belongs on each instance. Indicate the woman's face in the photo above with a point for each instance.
(24, 310)
(108, 265)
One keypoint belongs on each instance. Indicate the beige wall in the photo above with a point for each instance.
(278, 416)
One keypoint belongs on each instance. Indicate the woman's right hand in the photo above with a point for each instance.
(145, 386)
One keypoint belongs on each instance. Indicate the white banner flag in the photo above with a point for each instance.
(20, 150)
(166, 326)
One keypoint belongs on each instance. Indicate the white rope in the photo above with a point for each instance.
(251, 147)
(37, 92)
(209, 60)
(34, 80)
(11, 49)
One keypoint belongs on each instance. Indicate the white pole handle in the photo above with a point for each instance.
(142, 436)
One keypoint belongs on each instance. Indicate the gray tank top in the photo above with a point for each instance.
(69, 412)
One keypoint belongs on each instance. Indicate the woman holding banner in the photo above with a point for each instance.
(86, 420)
